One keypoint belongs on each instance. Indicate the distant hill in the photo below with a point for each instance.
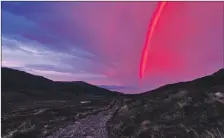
(15, 82)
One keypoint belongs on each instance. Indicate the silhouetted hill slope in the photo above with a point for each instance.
(14, 80)
(84, 88)
(203, 83)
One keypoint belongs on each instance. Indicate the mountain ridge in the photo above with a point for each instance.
(209, 79)
(17, 81)
(212, 79)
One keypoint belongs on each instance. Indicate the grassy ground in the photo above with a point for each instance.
(41, 118)
(180, 113)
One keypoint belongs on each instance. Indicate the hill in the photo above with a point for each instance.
(186, 109)
(19, 80)
(19, 86)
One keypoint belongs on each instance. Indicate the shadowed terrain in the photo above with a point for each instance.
(34, 107)
(192, 109)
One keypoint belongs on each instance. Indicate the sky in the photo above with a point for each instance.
(101, 42)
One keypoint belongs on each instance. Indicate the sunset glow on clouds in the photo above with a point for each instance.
(101, 42)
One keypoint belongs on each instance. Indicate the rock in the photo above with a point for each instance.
(89, 137)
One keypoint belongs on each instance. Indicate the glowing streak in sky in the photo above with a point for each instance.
(152, 26)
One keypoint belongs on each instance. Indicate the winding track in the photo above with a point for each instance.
(93, 126)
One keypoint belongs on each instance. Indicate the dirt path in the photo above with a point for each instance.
(93, 126)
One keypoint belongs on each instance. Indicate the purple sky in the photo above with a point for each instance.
(101, 42)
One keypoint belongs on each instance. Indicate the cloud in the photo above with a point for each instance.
(66, 76)
(16, 24)
(34, 58)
